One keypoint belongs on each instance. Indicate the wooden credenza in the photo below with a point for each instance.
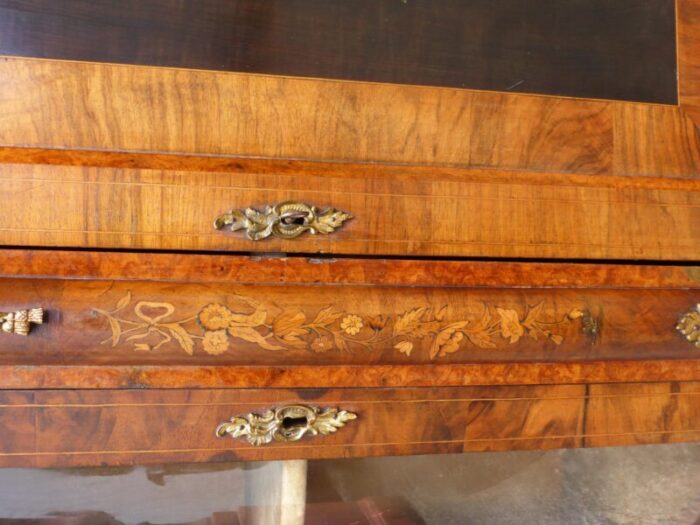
(332, 267)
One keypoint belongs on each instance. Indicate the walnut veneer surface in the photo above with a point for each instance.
(49, 428)
(433, 355)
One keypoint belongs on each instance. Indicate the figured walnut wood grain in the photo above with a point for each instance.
(688, 29)
(109, 107)
(97, 106)
(348, 170)
(62, 428)
(655, 140)
(451, 213)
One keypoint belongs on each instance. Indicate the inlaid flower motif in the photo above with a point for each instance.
(321, 344)
(377, 323)
(215, 317)
(216, 342)
(510, 325)
(352, 324)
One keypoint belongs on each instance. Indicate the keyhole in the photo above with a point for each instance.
(294, 422)
(294, 218)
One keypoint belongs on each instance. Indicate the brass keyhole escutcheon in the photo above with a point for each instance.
(288, 423)
(286, 220)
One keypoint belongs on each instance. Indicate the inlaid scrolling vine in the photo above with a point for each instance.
(148, 326)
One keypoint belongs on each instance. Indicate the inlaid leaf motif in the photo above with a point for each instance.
(537, 329)
(116, 331)
(444, 342)
(409, 321)
(123, 302)
(425, 328)
(483, 323)
(114, 326)
(326, 316)
(530, 322)
(404, 347)
(479, 332)
(253, 336)
(294, 341)
(182, 337)
(340, 342)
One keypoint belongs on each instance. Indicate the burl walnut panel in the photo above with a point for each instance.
(396, 210)
(61, 428)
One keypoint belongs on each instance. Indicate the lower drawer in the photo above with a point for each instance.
(70, 428)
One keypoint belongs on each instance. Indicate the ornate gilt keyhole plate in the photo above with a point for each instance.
(288, 423)
(286, 220)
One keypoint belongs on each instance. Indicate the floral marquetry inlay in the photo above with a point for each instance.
(148, 326)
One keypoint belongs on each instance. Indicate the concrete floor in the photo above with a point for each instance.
(622, 486)
(614, 486)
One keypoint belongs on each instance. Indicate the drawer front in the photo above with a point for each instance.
(307, 208)
(147, 310)
(63, 428)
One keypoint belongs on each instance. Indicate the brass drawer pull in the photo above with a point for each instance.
(289, 423)
(20, 322)
(689, 326)
(286, 220)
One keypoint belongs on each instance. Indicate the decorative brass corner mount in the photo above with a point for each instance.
(20, 322)
(689, 326)
(289, 423)
(286, 220)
